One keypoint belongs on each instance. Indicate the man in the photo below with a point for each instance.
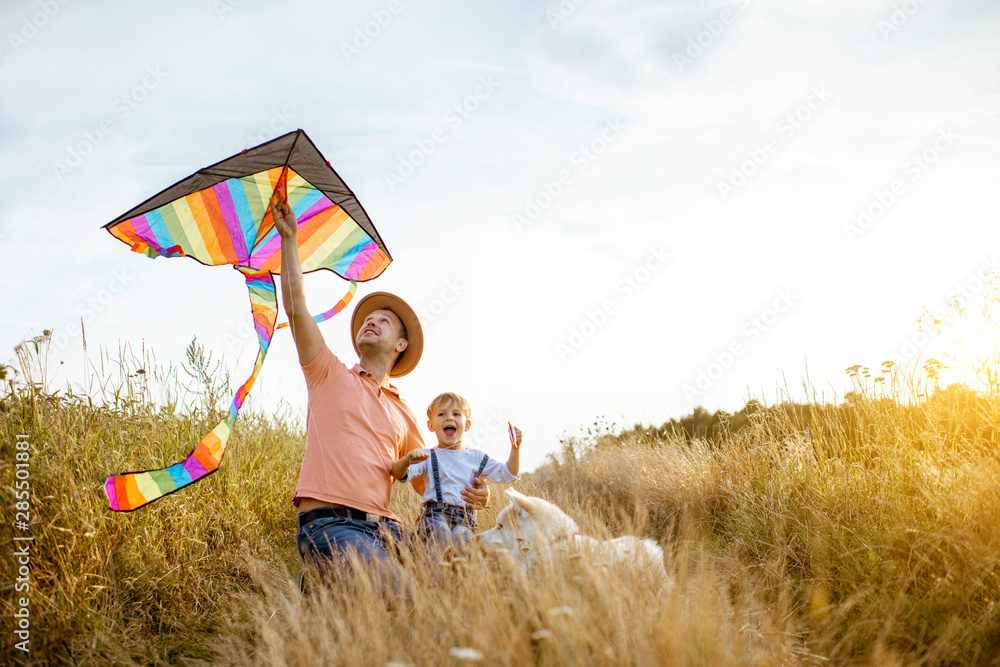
(357, 425)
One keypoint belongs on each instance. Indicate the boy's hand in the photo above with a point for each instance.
(515, 435)
(284, 220)
(401, 466)
(514, 460)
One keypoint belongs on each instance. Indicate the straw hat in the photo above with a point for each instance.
(414, 334)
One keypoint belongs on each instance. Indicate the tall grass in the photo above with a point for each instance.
(871, 539)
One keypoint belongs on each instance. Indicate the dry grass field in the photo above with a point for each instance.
(871, 539)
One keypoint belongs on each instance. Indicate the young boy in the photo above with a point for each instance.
(449, 468)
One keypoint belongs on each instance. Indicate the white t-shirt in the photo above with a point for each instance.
(456, 469)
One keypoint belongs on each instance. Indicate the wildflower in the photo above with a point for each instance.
(468, 654)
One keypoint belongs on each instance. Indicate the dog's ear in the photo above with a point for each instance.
(521, 502)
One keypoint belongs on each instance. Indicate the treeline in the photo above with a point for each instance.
(960, 411)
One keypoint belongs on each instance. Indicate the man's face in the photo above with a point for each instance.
(381, 330)
(449, 423)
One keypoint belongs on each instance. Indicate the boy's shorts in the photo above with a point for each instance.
(445, 523)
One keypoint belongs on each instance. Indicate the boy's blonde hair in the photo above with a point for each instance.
(447, 398)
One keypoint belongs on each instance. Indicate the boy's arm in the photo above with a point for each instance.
(477, 496)
(514, 460)
(413, 442)
(400, 467)
(305, 331)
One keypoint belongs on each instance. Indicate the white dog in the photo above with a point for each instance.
(534, 530)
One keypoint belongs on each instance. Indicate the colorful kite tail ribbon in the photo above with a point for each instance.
(323, 317)
(132, 490)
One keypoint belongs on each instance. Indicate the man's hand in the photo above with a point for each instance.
(477, 496)
(284, 220)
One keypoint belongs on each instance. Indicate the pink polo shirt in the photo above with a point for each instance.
(355, 431)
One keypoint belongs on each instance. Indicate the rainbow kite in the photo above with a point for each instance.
(221, 215)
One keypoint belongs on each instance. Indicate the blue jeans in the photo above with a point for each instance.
(328, 540)
(445, 524)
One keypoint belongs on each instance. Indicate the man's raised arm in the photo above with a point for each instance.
(305, 331)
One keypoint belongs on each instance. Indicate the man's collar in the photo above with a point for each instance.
(359, 369)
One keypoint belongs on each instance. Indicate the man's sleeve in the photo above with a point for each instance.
(322, 367)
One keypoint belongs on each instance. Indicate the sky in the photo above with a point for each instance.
(603, 211)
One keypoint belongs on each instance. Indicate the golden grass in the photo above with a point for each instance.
(873, 541)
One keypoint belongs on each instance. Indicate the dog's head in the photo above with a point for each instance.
(528, 524)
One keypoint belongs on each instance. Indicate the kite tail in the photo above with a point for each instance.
(132, 490)
(323, 317)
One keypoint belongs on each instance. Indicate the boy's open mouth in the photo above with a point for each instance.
(450, 430)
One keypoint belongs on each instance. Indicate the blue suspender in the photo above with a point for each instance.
(437, 478)
(482, 466)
